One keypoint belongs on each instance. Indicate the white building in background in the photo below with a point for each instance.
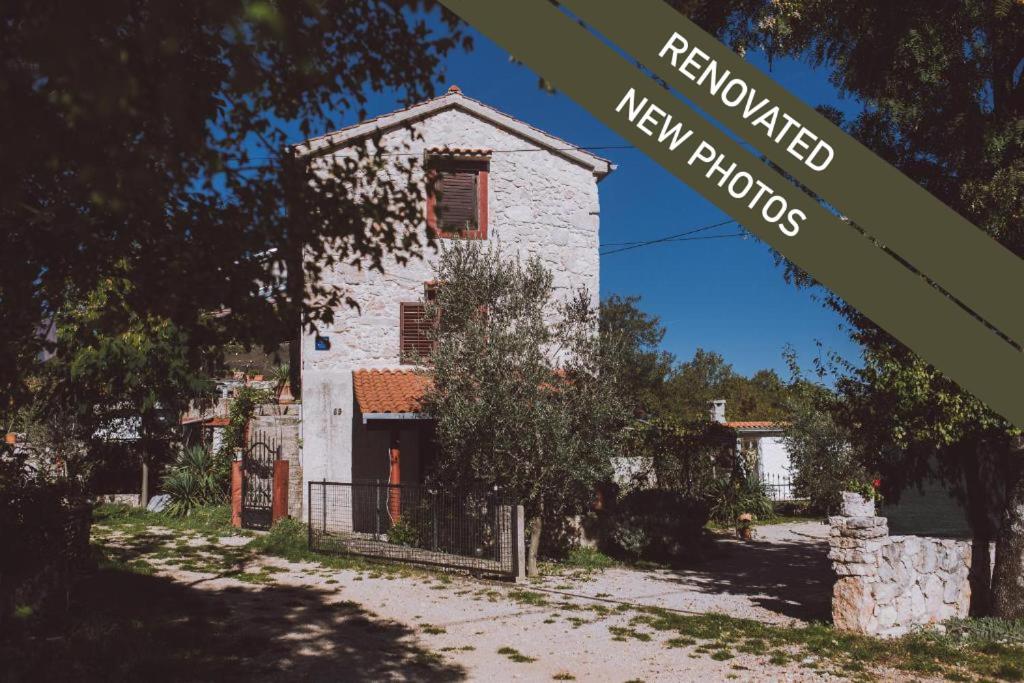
(502, 181)
(762, 440)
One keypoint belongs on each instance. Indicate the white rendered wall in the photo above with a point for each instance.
(774, 457)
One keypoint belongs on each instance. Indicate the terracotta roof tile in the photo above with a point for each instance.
(459, 151)
(389, 391)
(754, 424)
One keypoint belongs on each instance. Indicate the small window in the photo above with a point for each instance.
(415, 344)
(457, 198)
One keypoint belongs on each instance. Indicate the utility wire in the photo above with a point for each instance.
(683, 239)
(678, 237)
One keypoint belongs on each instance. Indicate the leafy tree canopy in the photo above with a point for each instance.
(525, 392)
(942, 89)
(149, 140)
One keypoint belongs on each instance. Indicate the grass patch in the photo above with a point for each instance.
(525, 597)
(589, 559)
(966, 650)
(433, 630)
(563, 676)
(622, 633)
(515, 655)
(680, 642)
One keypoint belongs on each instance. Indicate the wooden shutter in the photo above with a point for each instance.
(457, 203)
(415, 343)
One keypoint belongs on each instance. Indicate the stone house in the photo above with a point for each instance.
(763, 443)
(503, 181)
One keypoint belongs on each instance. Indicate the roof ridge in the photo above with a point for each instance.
(598, 164)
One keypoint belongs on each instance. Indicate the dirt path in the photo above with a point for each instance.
(301, 620)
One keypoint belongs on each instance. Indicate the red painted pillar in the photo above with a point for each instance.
(279, 504)
(395, 493)
(236, 493)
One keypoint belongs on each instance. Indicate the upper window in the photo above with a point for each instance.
(457, 197)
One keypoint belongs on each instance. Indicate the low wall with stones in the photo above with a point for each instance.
(889, 585)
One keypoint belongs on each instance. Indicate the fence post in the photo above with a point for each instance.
(309, 515)
(323, 505)
(376, 508)
(518, 544)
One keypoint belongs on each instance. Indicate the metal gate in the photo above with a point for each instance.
(258, 481)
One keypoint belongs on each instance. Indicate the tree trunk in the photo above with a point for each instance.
(978, 500)
(534, 549)
(1008, 576)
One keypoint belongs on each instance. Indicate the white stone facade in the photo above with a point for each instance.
(541, 201)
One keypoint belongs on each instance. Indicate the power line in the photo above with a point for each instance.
(685, 239)
(678, 237)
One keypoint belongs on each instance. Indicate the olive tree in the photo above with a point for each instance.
(524, 391)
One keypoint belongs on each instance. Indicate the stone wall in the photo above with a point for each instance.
(888, 585)
(282, 424)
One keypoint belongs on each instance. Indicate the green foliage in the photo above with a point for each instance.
(824, 453)
(944, 104)
(117, 376)
(986, 631)
(738, 495)
(589, 558)
(706, 377)
(645, 368)
(33, 516)
(657, 524)
(195, 479)
(287, 538)
(525, 392)
(174, 190)
(405, 532)
(241, 411)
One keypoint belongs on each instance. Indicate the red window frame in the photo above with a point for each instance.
(482, 168)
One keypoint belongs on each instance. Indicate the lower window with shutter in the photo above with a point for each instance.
(415, 343)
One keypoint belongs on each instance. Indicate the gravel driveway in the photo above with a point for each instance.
(305, 621)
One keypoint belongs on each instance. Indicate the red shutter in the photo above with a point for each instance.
(415, 343)
(457, 203)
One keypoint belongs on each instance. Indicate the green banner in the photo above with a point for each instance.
(763, 201)
(971, 266)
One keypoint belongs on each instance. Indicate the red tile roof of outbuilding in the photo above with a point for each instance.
(389, 391)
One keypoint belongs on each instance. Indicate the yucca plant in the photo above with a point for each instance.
(194, 479)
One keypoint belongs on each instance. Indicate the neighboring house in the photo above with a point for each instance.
(502, 181)
(761, 441)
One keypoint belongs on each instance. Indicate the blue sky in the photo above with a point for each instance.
(725, 295)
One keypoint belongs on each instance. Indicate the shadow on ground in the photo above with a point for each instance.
(127, 626)
(789, 577)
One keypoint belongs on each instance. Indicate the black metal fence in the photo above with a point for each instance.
(478, 530)
(779, 487)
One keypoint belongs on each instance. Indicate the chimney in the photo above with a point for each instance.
(718, 410)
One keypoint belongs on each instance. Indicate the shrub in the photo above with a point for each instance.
(657, 524)
(404, 532)
(740, 495)
(195, 479)
(589, 558)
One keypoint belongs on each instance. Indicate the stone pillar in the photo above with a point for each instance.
(855, 545)
(889, 585)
